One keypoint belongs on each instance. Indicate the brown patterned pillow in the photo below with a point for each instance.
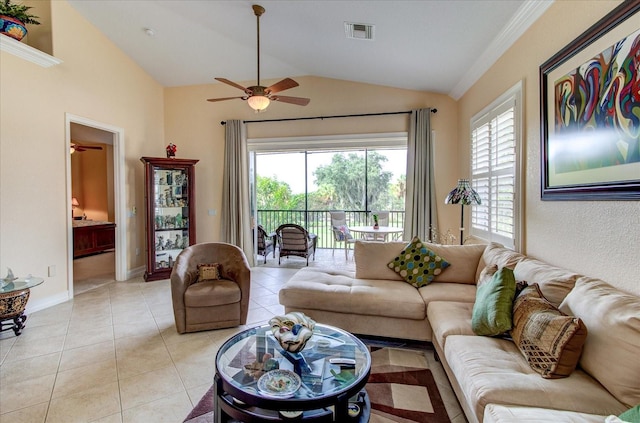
(208, 272)
(550, 340)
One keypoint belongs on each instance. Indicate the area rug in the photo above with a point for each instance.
(401, 389)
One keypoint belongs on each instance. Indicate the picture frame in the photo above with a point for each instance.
(590, 112)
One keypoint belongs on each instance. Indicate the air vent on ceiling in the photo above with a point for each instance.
(358, 31)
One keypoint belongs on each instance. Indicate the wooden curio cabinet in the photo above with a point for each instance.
(171, 212)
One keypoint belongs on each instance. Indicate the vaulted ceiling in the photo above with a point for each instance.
(440, 46)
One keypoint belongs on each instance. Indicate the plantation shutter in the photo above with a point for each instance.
(493, 170)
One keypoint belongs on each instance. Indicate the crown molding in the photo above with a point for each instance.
(27, 52)
(526, 15)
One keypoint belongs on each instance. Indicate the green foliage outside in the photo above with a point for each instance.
(341, 186)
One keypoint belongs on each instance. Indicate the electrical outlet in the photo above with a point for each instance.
(137, 251)
(52, 270)
(134, 210)
(212, 212)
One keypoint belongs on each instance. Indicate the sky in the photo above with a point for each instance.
(289, 167)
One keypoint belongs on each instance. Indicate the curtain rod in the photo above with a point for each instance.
(328, 117)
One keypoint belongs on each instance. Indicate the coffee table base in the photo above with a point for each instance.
(227, 410)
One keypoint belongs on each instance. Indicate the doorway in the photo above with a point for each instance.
(95, 190)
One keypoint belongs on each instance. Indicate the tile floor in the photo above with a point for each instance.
(112, 354)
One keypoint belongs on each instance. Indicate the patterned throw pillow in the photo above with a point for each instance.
(550, 340)
(417, 264)
(492, 309)
(207, 272)
(344, 232)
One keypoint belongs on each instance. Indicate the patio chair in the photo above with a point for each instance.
(341, 232)
(294, 240)
(266, 243)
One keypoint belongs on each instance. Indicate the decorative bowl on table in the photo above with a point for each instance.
(279, 383)
(292, 330)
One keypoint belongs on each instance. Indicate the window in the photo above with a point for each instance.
(495, 141)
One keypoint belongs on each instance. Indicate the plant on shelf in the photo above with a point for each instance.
(14, 17)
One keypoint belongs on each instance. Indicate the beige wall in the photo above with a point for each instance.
(95, 81)
(193, 124)
(597, 238)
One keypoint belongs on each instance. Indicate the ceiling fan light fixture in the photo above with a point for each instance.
(258, 102)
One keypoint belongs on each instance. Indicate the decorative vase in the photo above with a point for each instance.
(376, 226)
(12, 27)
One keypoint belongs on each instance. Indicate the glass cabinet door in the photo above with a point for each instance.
(171, 215)
(170, 224)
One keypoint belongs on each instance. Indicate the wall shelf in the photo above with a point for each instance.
(27, 52)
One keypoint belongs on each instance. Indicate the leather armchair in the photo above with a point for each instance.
(213, 304)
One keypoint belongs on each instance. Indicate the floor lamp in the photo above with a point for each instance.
(464, 195)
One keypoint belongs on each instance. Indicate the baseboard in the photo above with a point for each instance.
(134, 273)
(37, 305)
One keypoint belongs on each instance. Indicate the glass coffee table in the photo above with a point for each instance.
(13, 300)
(257, 381)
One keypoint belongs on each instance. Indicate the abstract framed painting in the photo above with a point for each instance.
(590, 112)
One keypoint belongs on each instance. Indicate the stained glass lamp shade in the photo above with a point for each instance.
(464, 195)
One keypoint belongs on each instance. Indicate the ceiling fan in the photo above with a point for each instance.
(258, 96)
(80, 148)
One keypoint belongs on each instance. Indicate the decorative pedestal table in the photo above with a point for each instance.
(13, 300)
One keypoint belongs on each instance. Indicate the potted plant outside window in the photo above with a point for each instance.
(14, 17)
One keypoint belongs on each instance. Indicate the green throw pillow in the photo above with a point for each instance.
(417, 264)
(631, 415)
(494, 304)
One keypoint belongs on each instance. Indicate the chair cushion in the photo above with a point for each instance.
(550, 340)
(212, 293)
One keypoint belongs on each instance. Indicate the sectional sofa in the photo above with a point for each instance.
(490, 375)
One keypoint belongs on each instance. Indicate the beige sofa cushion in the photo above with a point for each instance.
(339, 291)
(463, 262)
(495, 253)
(372, 257)
(495, 413)
(612, 349)
(554, 282)
(491, 370)
(449, 318)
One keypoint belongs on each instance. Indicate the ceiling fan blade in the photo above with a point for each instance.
(300, 101)
(233, 84)
(226, 98)
(285, 84)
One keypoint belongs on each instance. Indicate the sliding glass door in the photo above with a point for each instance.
(302, 186)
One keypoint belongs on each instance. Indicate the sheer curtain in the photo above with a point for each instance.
(420, 202)
(235, 216)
